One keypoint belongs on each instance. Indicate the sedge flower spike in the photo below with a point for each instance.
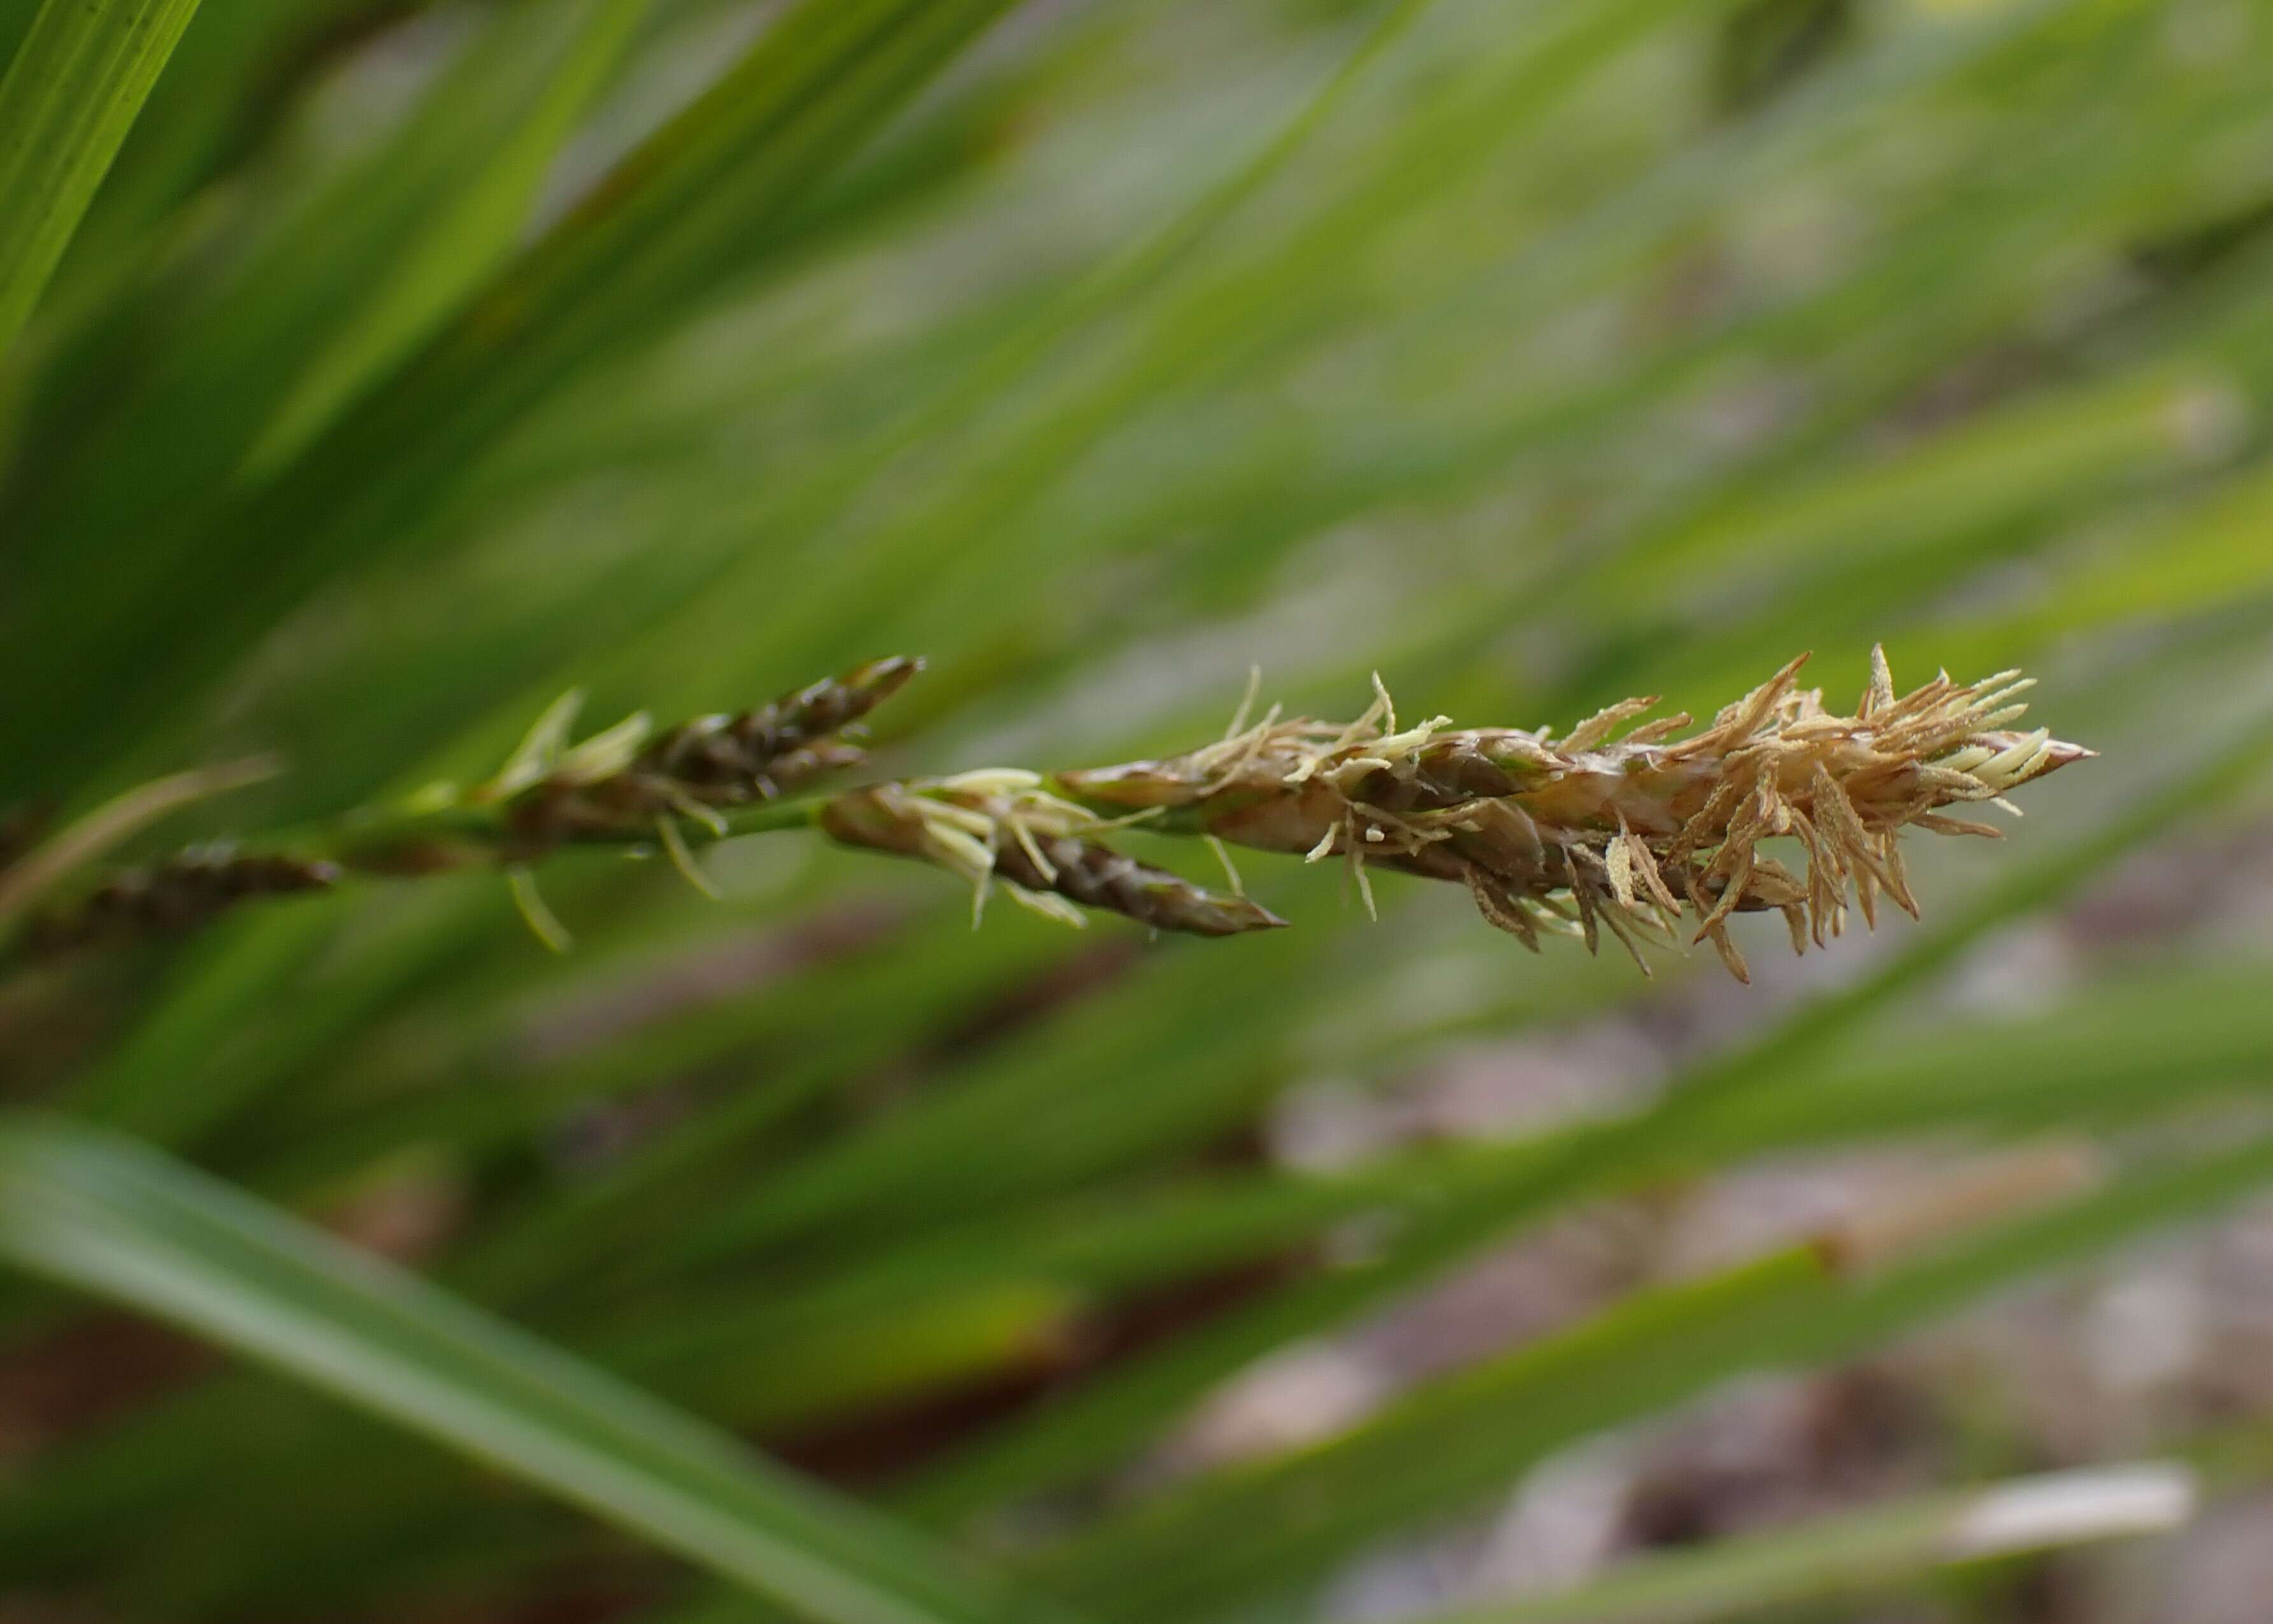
(626, 786)
(1002, 827)
(1620, 826)
(627, 780)
(175, 892)
(1640, 836)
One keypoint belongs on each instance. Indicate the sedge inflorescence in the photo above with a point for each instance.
(629, 779)
(176, 893)
(1002, 827)
(625, 784)
(1619, 826)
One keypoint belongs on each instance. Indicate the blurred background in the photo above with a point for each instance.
(417, 362)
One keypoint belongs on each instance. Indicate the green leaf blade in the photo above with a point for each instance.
(71, 94)
(101, 1215)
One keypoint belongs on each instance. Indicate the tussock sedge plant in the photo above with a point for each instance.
(1619, 827)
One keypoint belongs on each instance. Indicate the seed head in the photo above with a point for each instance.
(177, 892)
(1590, 831)
(1001, 827)
(626, 779)
(732, 760)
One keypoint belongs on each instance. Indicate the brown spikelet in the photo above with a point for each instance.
(620, 782)
(179, 892)
(1097, 876)
(731, 760)
(1002, 829)
(1612, 834)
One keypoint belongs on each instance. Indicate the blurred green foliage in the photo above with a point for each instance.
(415, 362)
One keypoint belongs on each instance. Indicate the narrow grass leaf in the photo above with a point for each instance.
(1883, 1550)
(103, 1214)
(77, 81)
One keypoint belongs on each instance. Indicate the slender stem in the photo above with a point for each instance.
(763, 819)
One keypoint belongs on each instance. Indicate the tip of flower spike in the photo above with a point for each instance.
(1245, 914)
(2055, 753)
(2003, 761)
(881, 679)
(1170, 903)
